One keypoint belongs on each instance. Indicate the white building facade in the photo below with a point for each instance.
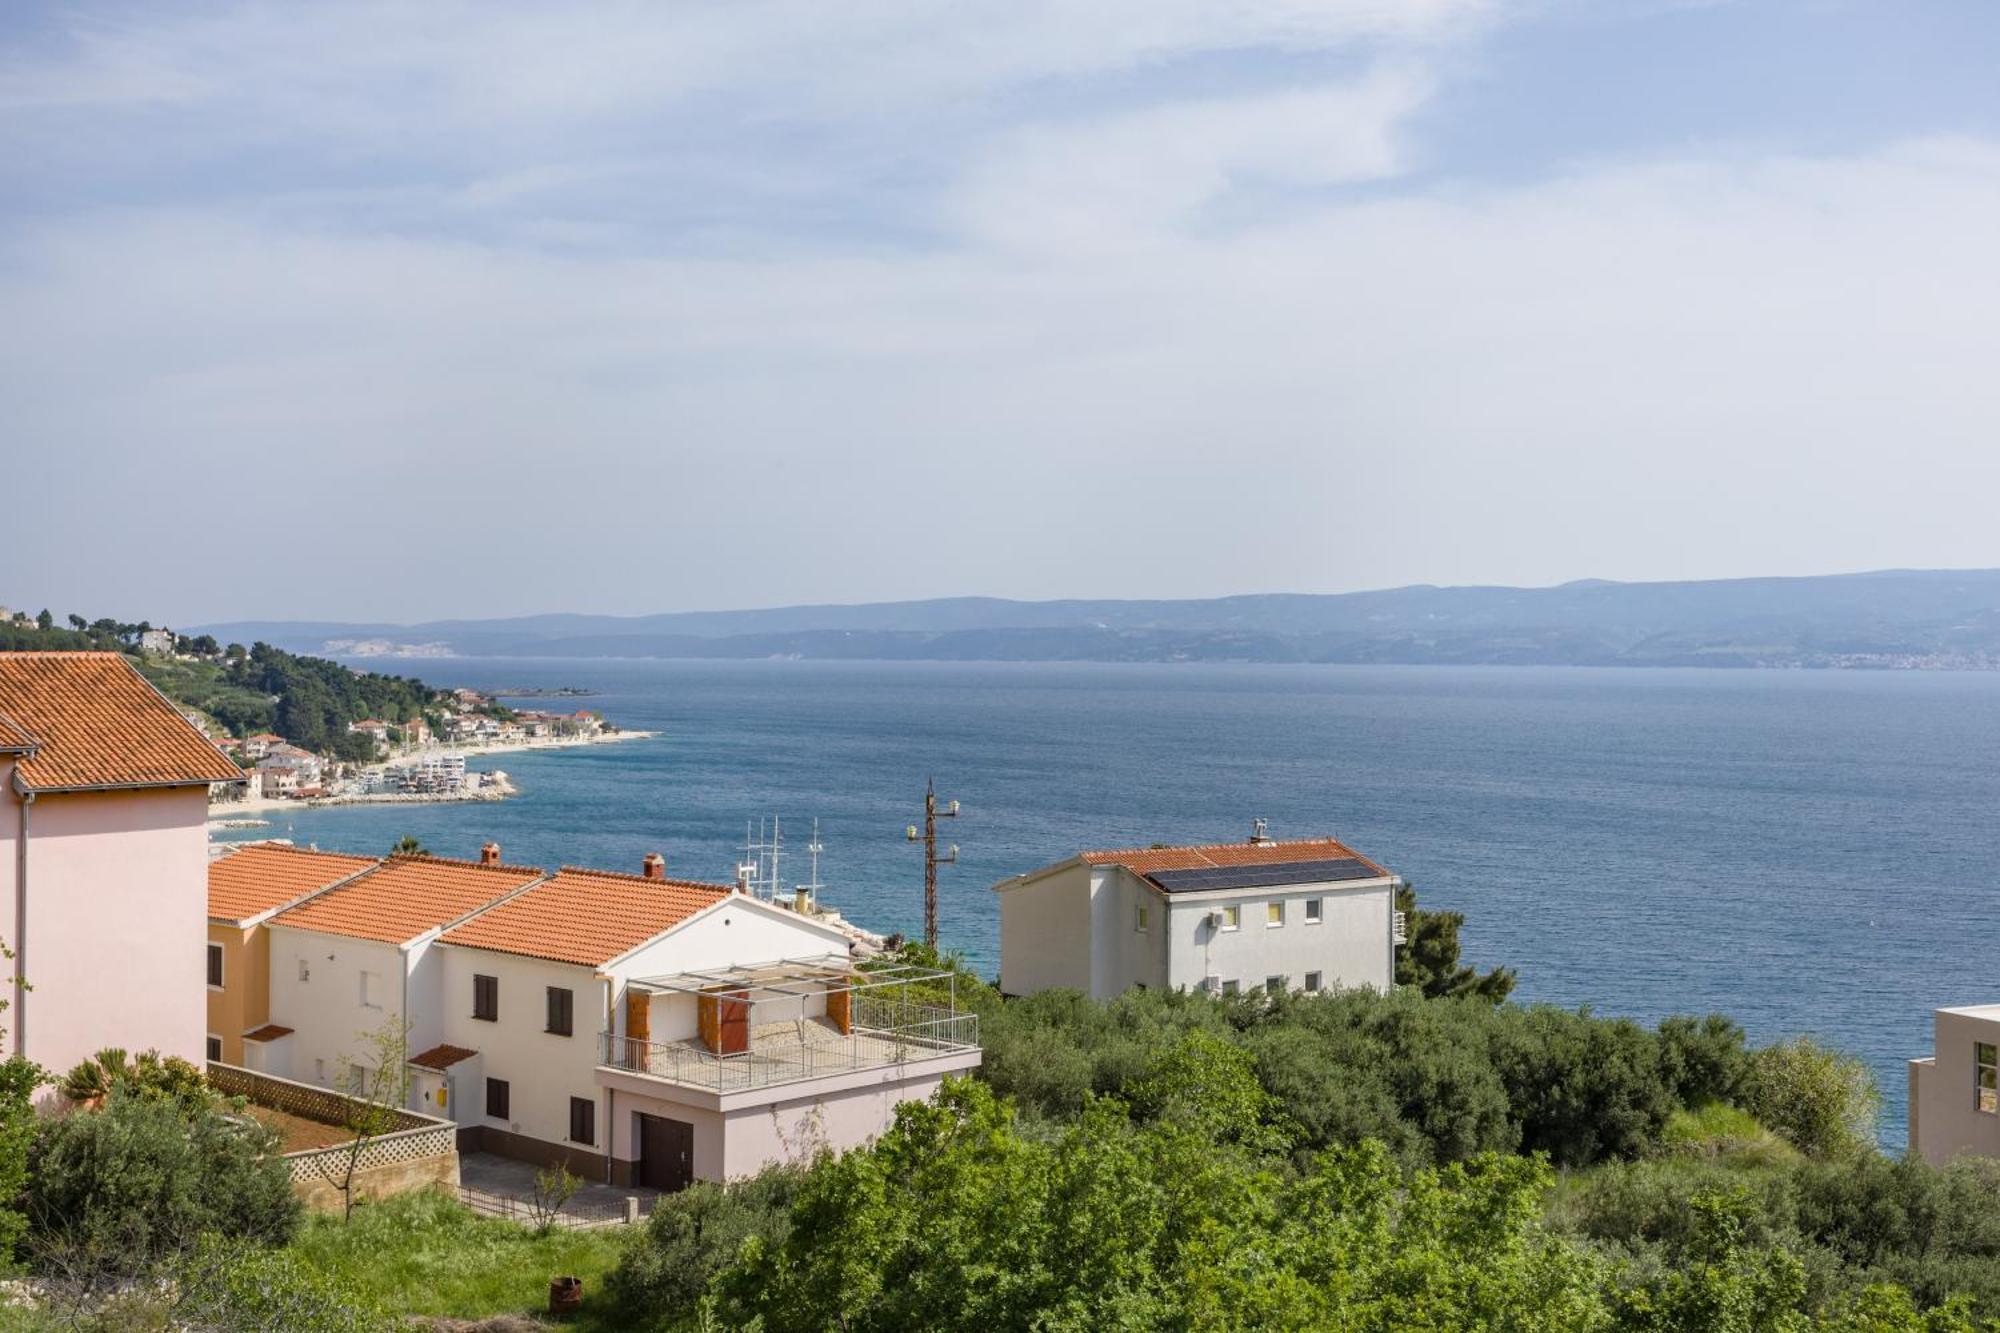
(1295, 916)
(1955, 1091)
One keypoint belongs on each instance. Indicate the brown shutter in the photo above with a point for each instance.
(839, 1010)
(638, 1015)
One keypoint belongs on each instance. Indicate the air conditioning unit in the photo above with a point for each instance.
(1215, 920)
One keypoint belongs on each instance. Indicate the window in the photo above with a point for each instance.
(371, 990)
(1274, 914)
(1229, 988)
(1274, 985)
(562, 1004)
(1986, 1077)
(1312, 911)
(215, 966)
(1232, 917)
(214, 1048)
(486, 998)
(496, 1098)
(1140, 919)
(582, 1120)
(1312, 981)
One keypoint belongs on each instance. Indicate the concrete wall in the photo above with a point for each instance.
(324, 1011)
(1945, 1119)
(1046, 932)
(543, 1070)
(1352, 945)
(117, 909)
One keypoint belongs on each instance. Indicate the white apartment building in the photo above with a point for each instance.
(1306, 915)
(643, 1030)
(1955, 1091)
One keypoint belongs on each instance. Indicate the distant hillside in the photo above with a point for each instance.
(1890, 619)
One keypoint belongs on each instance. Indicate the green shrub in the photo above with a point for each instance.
(121, 1188)
(1824, 1102)
(693, 1235)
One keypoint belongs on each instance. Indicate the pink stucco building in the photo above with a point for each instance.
(103, 859)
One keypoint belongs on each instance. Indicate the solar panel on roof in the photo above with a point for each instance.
(1262, 876)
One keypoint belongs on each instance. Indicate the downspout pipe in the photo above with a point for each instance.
(20, 1003)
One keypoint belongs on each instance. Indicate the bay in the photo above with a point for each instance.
(1809, 852)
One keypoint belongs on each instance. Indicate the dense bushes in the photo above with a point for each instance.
(695, 1234)
(121, 1188)
(1436, 1080)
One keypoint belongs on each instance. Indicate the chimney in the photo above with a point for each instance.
(743, 879)
(1257, 832)
(489, 855)
(654, 866)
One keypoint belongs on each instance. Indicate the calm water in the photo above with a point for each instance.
(1810, 852)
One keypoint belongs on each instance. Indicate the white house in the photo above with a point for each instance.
(359, 957)
(642, 1030)
(1306, 915)
(652, 1031)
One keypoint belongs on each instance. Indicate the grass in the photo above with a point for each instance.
(428, 1254)
(1727, 1135)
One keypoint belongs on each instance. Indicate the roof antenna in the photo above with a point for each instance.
(1258, 828)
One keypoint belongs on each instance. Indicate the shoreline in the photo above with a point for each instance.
(224, 814)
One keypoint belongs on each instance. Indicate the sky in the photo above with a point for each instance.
(404, 311)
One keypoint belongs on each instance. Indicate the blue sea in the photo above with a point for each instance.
(1810, 852)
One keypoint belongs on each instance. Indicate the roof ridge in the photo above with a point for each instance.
(644, 879)
(510, 867)
(1210, 846)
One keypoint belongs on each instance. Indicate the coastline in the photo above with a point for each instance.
(221, 813)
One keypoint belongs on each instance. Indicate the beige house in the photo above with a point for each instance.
(246, 888)
(1955, 1091)
(1305, 915)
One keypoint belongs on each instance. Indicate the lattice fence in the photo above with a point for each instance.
(406, 1145)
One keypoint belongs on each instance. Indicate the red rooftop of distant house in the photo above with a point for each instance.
(586, 917)
(95, 722)
(1147, 860)
(407, 896)
(267, 875)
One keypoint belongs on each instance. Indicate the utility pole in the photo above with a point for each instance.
(931, 858)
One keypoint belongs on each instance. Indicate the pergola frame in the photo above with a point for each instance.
(797, 978)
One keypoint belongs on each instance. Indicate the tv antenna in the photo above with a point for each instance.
(810, 891)
(931, 858)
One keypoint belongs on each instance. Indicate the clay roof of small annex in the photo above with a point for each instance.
(586, 917)
(1147, 860)
(96, 722)
(406, 896)
(269, 1032)
(442, 1056)
(267, 875)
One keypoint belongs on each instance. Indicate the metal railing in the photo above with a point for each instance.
(1401, 929)
(791, 1053)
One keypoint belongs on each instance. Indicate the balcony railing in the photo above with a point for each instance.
(1400, 929)
(795, 1051)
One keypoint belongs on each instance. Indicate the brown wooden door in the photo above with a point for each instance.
(666, 1153)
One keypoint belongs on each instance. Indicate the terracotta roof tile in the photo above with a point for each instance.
(407, 896)
(1146, 860)
(267, 875)
(98, 723)
(442, 1056)
(587, 917)
(269, 1032)
(13, 739)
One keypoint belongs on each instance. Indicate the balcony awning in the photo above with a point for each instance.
(828, 974)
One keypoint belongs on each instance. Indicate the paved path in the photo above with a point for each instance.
(503, 1187)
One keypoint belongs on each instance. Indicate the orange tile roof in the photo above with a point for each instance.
(13, 739)
(1146, 860)
(587, 917)
(407, 896)
(442, 1056)
(98, 723)
(269, 1032)
(267, 875)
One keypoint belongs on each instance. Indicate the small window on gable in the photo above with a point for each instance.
(1274, 914)
(1142, 918)
(1312, 910)
(371, 990)
(1986, 1077)
(1232, 917)
(305, 970)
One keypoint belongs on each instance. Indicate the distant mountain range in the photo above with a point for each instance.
(1939, 619)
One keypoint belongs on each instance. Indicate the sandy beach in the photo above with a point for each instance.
(221, 812)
